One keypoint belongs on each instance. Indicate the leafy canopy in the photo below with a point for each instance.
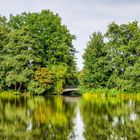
(32, 43)
(114, 63)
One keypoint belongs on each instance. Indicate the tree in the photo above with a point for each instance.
(54, 38)
(44, 80)
(33, 40)
(4, 30)
(124, 53)
(60, 72)
(115, 63)
(20, 58)
(95, 62)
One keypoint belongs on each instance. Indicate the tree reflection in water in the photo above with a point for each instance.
(61, 118)
(36, 118)
(111, 119)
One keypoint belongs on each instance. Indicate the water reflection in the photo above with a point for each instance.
(69, 118)
(111, 119)
(36, 118)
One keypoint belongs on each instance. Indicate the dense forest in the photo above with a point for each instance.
(36, 53)
(112, 60)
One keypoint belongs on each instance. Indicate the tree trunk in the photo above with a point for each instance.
(15, 86)
(20, 85)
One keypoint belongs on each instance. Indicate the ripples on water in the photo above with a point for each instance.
(69, 118)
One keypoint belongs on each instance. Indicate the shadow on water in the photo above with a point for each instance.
(71, 94)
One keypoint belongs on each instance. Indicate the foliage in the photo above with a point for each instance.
(30, 41)
(60, 72)
(95, 62)
(17, 56)
(55, 41)
(3, 40)
(114, 63)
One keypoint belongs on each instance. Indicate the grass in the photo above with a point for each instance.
(9, 92)
(89, 93)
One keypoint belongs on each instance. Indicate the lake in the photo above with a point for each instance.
(69, 118)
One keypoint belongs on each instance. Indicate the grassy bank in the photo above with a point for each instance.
(9, 92)
(105, 92)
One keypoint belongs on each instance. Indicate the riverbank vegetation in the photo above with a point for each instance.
(36, 53)
(112, 60)
(37, 56)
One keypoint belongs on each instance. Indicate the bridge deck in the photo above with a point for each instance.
(70, 89)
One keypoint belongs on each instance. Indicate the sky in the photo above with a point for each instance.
(82, 17)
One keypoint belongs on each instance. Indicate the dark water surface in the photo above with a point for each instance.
(69, 118)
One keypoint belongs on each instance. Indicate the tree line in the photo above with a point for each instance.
(36, 53)
(112, 60)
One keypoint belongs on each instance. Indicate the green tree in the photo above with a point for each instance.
(54, 38)
(123, 52)
(4, 30)
(60, 72)
(20, 58)
(44, 80)
(114, 63)
(32, 40)
(95, 63)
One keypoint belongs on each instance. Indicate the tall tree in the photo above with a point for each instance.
(54, 38)
(30, 41)
(124, 53)
(95, 62)
(115, 63)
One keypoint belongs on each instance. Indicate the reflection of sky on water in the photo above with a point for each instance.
(79, 127)
(133, 117)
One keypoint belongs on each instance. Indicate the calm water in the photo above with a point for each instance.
(69, 118)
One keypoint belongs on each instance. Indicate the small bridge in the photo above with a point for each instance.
(70, 88)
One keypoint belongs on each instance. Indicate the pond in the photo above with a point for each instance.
(69, 118)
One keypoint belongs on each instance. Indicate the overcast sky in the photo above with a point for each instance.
(82, 17)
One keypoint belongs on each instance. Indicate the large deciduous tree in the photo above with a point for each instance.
(124, 55)
(55, 40)
(112, 60)
(30, 41)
